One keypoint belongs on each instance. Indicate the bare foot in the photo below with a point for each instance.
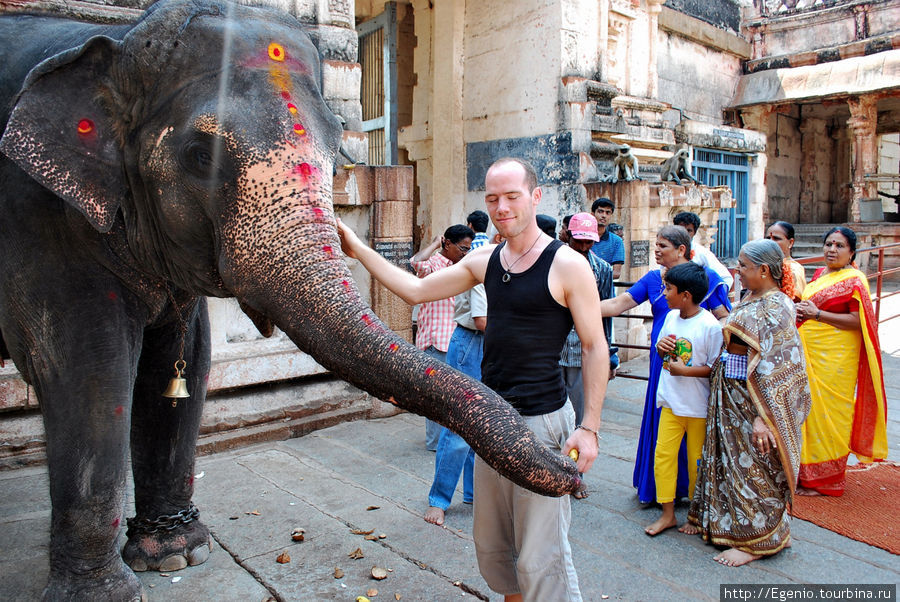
(735, 557)
(434, 515)
(808, 492)
(664, 522)
(689, 529)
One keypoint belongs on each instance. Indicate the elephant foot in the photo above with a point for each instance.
(185, 545)
(113, 584)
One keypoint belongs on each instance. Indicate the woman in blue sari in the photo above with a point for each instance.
(673, 247)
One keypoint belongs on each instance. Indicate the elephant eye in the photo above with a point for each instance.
(198, 158)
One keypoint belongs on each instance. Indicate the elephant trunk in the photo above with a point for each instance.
(292, 271)
(333, 325)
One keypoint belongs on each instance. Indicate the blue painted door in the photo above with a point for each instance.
(718, 168)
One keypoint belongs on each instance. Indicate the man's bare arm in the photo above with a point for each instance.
(444, 283)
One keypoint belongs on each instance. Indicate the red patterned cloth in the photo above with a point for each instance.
(435, 323)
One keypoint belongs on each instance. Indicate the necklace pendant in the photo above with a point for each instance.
(505, 277)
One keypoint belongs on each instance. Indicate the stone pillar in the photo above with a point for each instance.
(757, 118)
(632, 200)
(862, 122)
(603, 41)
(448, 146)
(654, 7)
(391, 190)
(813, 134)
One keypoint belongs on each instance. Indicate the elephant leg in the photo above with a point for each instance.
(82, 373)
(165, 534)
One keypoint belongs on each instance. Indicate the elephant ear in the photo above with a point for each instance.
(61, 130)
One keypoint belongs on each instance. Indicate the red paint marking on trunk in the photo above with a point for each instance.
(347, 287)
(318, 213)
(112, 296)
(328, 250)
(286, 95)
(85, 126)
(190, 480)
(292, 108)
(116, 523)
(430, 371)
(367, 319)
(394, 347)
(119, 410)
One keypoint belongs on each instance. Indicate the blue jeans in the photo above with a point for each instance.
(454, 456)
(432, 428)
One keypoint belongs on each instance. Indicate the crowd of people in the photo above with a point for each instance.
(756, 392)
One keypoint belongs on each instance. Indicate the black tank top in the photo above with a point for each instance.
(526, 329)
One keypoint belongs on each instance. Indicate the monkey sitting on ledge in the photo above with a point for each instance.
(625, 166)
(677, 167)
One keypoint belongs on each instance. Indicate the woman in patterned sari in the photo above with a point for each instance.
(843, 359)
(759, 397)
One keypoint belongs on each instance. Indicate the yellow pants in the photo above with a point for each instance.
(672, 429)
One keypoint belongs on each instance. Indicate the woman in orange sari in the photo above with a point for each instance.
(794, 274)
(843, 361)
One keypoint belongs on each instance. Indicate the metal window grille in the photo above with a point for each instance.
(378, 60)
(718, 168)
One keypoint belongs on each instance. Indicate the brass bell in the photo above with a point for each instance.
(177, 388)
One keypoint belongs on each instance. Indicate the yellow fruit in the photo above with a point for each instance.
(573, 453)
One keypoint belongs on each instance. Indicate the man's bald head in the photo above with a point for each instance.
(529, 177)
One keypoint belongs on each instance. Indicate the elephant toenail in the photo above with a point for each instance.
(138, 566)
(175, 562)
(199, 555)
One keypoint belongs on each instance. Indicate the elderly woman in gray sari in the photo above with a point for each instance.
(759, 397)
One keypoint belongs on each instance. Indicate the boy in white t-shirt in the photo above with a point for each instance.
(689, 342)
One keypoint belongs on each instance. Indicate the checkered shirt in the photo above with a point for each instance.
(435, 323)
(480, 239)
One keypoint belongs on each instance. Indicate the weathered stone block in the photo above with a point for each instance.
(356, 145)
(394, 183)
(392, 310)
(349, 110)
(14, 392)
(341, 80)
(335, 43)
(393, 219)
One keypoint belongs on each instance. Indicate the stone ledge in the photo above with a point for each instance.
(703, 33)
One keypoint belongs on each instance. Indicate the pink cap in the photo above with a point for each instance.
(583, 226)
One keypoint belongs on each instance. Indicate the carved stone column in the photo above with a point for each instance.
(619, 38)
(813, 131)
(758, 119)
(862, 122)
(654, 7)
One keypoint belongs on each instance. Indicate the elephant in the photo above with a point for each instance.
(144, 168)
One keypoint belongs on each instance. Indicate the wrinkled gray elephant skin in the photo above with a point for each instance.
(146, 167)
